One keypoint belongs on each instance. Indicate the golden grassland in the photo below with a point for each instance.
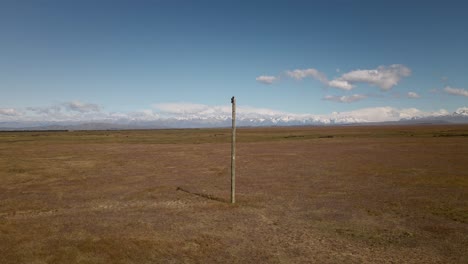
(357, 194)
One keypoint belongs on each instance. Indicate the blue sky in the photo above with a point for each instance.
(131, 56)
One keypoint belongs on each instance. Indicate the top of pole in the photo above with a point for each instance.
(233, 99)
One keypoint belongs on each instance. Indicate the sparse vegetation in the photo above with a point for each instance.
(305, 194)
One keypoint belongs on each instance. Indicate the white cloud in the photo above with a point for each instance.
(343, 85)
(66, 111)
(266, 79)
(462, 111)
(190, 110)
(375, 114)
(69, 111)
(300, 74)
(252, 112)
(142, 115)
(413, 95)
(82, 107)
(9, 112)
(456, 91)
(345, 98)
(384, 77)
(201, 111)
(382, 114)
(219, 115)
(47, 110)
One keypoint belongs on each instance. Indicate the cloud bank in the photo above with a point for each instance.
(182, 114)
(9, 112)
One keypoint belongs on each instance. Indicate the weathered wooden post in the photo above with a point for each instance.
(233, 152)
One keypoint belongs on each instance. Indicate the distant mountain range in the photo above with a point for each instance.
(458, 117)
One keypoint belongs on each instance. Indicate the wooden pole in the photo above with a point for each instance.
(233, 152)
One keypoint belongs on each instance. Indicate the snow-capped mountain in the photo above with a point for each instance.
(199, 116)
(461, 112)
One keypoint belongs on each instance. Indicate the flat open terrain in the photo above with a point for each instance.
(304, 195)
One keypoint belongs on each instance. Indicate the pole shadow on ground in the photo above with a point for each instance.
(204, 195)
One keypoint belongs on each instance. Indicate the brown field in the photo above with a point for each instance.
(393, 194)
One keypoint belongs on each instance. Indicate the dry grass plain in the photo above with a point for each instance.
(392, 194)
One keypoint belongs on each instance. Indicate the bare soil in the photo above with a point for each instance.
(393, 194)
